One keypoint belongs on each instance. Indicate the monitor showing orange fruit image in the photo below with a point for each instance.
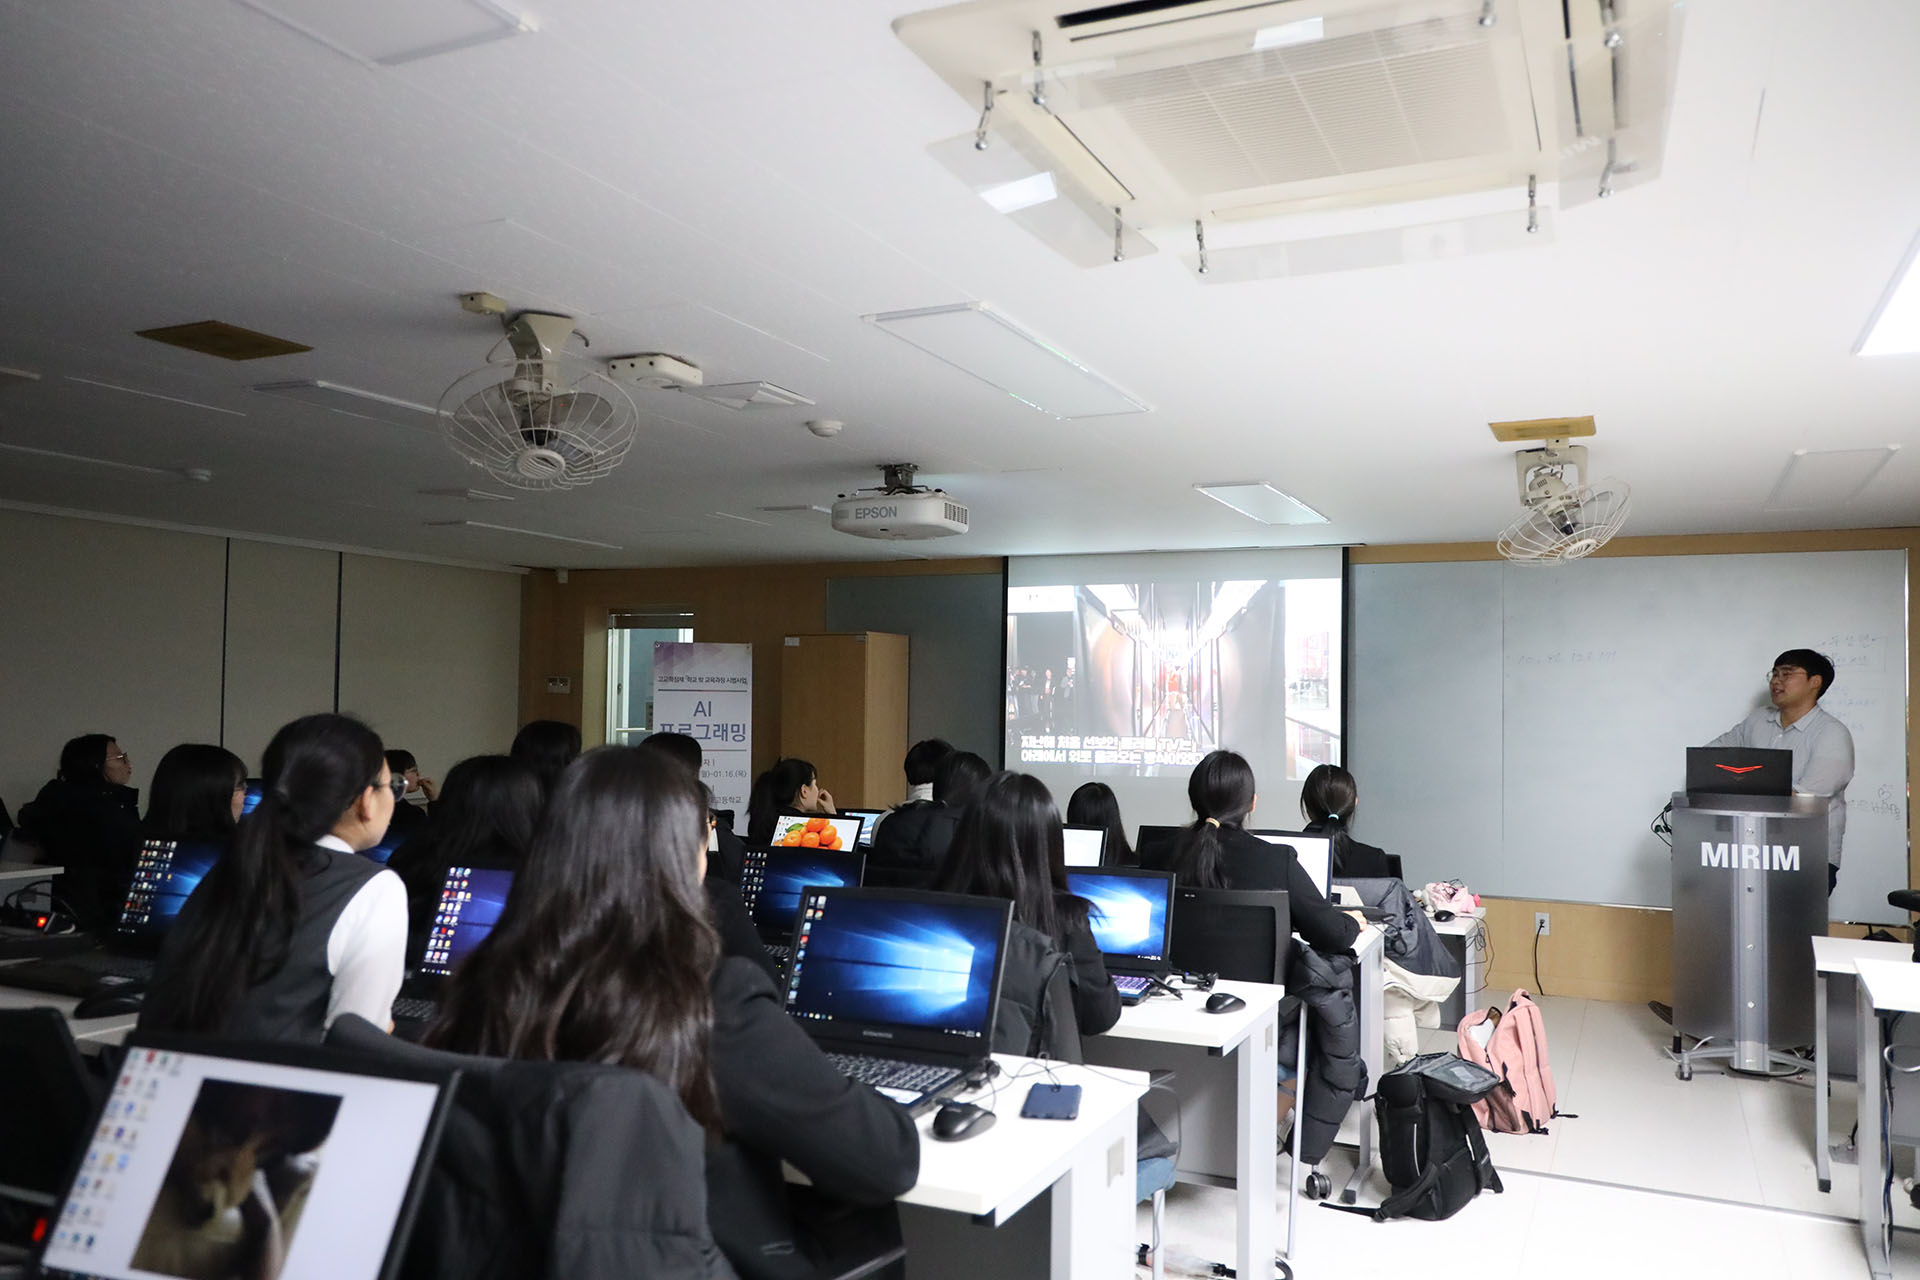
(812, 831)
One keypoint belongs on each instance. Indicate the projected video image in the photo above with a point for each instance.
(1129, 915)
(787, 874)
(1142, 679)
(470, 905)
(164, 875)
(234, 1193)
(876, 961)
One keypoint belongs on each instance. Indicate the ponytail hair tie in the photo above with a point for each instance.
(1334, 819)
(1212, 822)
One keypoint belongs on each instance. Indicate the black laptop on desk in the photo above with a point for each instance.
(165, 872)
(1132, 919)
(196, 1133)
(471, 900)
(772, 880)
(900, 988)
(1739, 771)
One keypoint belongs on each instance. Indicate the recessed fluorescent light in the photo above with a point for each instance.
(1827, 477)
(1305, 31)
(352, 401)
(976, 339)
(748, 395)
(1894, 329)
(155, 395)
(1260, 501)
(392, 35)
(1021, 193)
(9, 377)
(80, 459)
(728, 515)
(469, 495)
(530, 533)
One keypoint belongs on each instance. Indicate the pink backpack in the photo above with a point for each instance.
(1516, 1051)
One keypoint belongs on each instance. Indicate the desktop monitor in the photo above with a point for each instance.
(1086, 846)
(165, 872)
(471, 900)
(196, 1135)
(1315, 853)
(815, 831)
(1153, 845)
(1130, 916)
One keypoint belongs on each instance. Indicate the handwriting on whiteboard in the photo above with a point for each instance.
(1564, 658)
(1855, 650)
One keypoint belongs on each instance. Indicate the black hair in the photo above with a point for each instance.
(1009, 845)
(246, 909)
(605, 951)
(1220, 789)
(775, 791)
(485, 816)
(683, 747)
(1813, 663)
(923, 758)
(959, 777)
(399, 761)
(1093, 804)
(547, 747)
(191, 796)
(1327, 798)
(84, 759)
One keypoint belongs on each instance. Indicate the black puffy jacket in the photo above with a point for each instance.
(1336, 1071)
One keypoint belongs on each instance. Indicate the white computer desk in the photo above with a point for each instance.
(1357, 1130)
(1833, 973)
(1885, 986)
(987, 1178)
(11, 872)
(88, 1033)
(1224, 1076)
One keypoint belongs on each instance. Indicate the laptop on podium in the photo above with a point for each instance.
(899, 987)
(1739, 771)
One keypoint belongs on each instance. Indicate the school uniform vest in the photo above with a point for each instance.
(292, 1004)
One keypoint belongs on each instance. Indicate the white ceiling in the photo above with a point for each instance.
(739, 183)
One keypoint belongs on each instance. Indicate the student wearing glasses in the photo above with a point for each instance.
(291, 929)
(87, 821)
(1794, 721)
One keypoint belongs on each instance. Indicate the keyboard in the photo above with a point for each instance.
(77, 975)
(779, 951)
(415, 1009)
(20, 943)
(1132, 987)
(890, 1073)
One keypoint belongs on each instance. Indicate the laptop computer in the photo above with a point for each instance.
(51, 1100)
(815, 831)
(1314, 853)
(1086, 846)
(165, 873)
(867, 818)
(471, 900)
(256, 788)
(900, 987)
(1739, 771)
(1132, 920)
(195, 1133)
(1153, 846)
(771, 881)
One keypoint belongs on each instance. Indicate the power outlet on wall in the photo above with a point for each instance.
(1542, 924)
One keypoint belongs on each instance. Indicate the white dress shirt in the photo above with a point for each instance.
(367, 947)
(1822, 758)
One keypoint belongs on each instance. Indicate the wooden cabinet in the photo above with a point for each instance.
(843, 706)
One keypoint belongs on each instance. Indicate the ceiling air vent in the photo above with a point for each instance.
(228, 341)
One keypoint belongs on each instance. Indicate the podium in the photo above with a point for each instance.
(1749, 894)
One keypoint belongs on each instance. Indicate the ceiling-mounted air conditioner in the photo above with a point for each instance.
(1224, 113)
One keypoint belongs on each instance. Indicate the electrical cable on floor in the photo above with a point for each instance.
(1539, 928)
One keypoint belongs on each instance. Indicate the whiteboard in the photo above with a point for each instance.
(1520, 727)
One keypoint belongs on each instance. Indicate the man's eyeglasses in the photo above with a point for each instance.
(116, 758)
(396, 784)
(1782, 673)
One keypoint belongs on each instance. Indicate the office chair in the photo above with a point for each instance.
(1908, 900)
(1395, 869)
(1246, 935)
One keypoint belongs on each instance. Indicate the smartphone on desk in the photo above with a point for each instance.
(1052, 1102)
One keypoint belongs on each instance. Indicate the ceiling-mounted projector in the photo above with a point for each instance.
(899, 509)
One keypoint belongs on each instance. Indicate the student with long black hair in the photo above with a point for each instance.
(547, 747)
(1009, 845)
(1217, 853)
(1327, 800)
(196, 794)
(791, 786)
(290, 929)
(1093, 804)
(605, 953)
(909, 847)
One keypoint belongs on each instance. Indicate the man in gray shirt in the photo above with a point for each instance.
(1822, 748)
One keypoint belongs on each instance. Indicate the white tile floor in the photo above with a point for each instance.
(1655, 1176)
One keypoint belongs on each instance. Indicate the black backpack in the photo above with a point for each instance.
(1431, 1147)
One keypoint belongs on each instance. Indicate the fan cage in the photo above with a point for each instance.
(500, 418)
(1557, 532)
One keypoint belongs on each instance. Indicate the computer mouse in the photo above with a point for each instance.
(1443, 916)
(1224, 1002)
(959, 1120)
(111, 1002)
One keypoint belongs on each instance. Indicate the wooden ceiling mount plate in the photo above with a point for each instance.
(1541, 429)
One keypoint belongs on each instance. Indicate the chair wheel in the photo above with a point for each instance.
(1683, 1072)
(1318, 1186)
(1281, 1269)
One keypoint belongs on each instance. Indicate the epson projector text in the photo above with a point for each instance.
(876, 513)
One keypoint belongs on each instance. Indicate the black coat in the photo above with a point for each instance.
(555, 1171)
(92, 831)
(738, 936)
(1336, 1070)
(781, 1099)
(910, 844)
(1248, 862)
(1352, 858)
